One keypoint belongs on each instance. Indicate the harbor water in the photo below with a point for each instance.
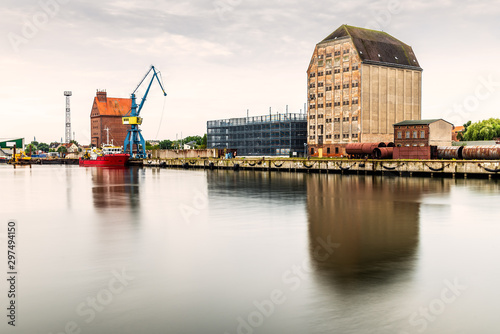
(132, 250)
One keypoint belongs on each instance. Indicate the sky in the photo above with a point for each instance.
(220, 58)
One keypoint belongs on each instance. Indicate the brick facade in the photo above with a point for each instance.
(359, 83)
(107, 113)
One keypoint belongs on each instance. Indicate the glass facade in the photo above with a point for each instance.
(271, 135)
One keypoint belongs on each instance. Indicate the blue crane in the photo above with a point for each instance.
(134, 136)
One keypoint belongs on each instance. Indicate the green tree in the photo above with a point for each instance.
(62, 149)
(203, 142)
(482, 130)
(166, 144)
(43, 147)
(74, 142)
(30, 148)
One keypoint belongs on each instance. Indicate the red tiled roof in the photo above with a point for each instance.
(113, 106)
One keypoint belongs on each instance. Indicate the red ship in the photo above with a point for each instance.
(111, 156)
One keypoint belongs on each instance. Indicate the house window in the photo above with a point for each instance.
(320, 62)
(328, 55)
(355, 67)
(355, 135)
(328, 88)
(329, 105)
(320, 115)
(336, 87)
(346, 51)
(312, 117)
(320, 94)
(328, 72)
(415, 135)
(422, 134)
(355, 101)
(320, 84)
(400, 135)
(327, 150)
(345, 103)
(345, 85)
(354, 84)
(346, 69)
(345, 119)
(355, 118)
(312, 150)
(407, 134)
(312, 85)
(337, 70)
(337, 53)
(336, 150)
(320, 74)
(312, 75)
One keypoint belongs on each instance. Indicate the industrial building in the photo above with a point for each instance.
(271, 135)
(416, 139)
(360, 82)
(107, 113)
(7, 145)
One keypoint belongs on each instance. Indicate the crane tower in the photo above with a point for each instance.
(68, 118)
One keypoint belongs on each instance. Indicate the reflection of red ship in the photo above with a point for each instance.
(108, 156)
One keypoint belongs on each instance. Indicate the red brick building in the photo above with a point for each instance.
(415, 139)
(107, 112)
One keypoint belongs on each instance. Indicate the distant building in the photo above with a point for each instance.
(271, 135)
(7, 145)
(70, 147)
(456, 130)
(360, 82)
(107, 112)
(425, 132)
(190, 146)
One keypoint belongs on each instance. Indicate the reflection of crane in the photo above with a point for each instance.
(134, 136)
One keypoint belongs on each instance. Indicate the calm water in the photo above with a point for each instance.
(173, 251)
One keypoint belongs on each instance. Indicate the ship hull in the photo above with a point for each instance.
(106, 160)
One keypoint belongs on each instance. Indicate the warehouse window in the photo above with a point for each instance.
(422, 134)
(415, 135)
(400, 135)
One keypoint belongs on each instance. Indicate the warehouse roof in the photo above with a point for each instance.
(377, 46)
(110, 106)
(421, 122)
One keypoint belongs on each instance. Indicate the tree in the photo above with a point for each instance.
(74, 142)
(62, 149)
(43, 147)
(204, 142)
(482, 130)
(30, 148)
(166, 144)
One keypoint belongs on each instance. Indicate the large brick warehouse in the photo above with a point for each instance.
(360, 82)
(107, 112)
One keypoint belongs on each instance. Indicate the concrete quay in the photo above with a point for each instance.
(429, 168)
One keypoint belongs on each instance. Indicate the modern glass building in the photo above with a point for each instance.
(271, 135)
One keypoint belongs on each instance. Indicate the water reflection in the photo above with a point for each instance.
(115, 187)
(373, 223)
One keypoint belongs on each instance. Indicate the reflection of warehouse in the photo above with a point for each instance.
(281, 134)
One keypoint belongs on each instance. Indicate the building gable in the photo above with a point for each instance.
(377, 46)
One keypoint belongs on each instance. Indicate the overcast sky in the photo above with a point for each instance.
(220, 58)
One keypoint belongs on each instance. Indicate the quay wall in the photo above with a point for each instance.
(432, 168)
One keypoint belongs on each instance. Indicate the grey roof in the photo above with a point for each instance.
(377, 46)
(420, 122)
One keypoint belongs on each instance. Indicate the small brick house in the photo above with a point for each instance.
(414, 139)
(107, 112)
(425, 132)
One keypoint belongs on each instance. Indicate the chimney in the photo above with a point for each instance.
(101, 95)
